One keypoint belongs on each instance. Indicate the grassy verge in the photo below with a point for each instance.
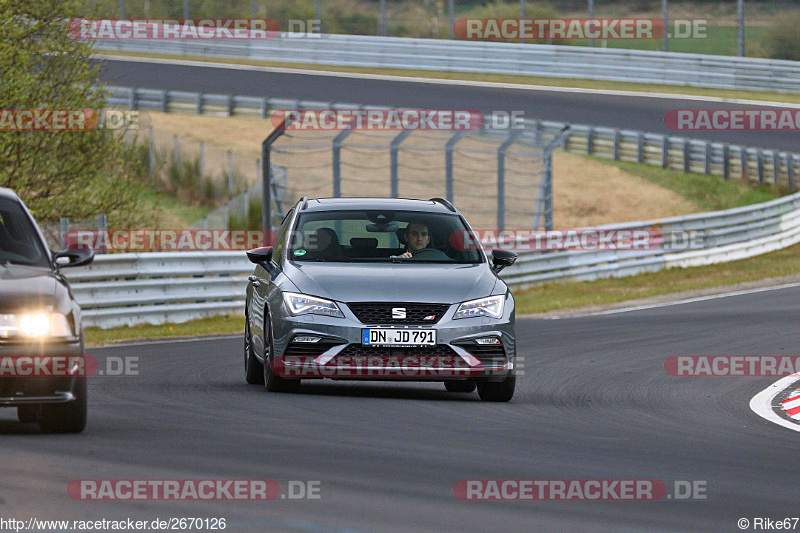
(204, 326)
(495, 78)
(709, 193)
(607, 291)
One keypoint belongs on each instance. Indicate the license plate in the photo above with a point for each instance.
(398, 337)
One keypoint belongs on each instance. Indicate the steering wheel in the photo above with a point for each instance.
(432, 253)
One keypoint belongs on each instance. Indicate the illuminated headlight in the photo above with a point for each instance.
(302, 304)
(491, 306)
(35, 325)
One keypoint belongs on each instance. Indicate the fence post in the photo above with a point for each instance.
(63, 229)
(394, 146)
(230, 174)
(640, 147)
(790, 170)
(448, 164)
(151, 159)
(501, 177)
(337, 162)
(617, 137)
(664, 151)
(726, 167)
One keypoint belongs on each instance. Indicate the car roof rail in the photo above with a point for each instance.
(445, 203)
(303, 202)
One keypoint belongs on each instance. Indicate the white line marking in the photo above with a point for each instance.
(165, 341)
(436, 81)
(761, 404)
(680, 302)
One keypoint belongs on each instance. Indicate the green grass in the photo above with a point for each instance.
(709, 193)
(205, 326)
(607, 291)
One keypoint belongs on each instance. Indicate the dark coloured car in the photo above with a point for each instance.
(379, 289)
(42, 371)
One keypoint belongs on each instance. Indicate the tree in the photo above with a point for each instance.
(77, 174)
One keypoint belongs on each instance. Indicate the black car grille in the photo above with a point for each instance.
(489, 354)
(359, 349)
(309, 348)
(381, 312)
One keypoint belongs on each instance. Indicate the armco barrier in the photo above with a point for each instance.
(579, 62)
(127, 289)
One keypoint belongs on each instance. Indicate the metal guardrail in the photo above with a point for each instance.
(668, 151)
(127, 289)
(577, 62)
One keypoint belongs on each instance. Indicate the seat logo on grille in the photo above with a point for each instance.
(398, 312)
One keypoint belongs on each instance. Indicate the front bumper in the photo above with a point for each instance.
(341, 354)
(28, 390)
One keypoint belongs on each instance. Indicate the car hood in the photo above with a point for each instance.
(23, 287)
(394, 282)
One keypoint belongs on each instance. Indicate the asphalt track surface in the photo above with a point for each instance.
(623, 111)
(594, 403)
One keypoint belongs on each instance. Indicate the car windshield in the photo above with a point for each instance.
(19, 242)
(382, 236)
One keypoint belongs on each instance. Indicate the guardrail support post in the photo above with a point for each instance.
(337, 162)
(617, 137)
(164, 100)
(640, 147)
(687, 161)
(199, 103)
(590, 141)
(448, 164)
(760, 165)
(393, 147)
(501, 177)
(133, 103)
(264, 107)
(790, 170)
(230, 105)
(707, 159)
(63, 228)
(726, 167)
(743, 161)
(776, 166)
(665, 152)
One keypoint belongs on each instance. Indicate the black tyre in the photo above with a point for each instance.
(66, 417)
(497, 391)
(253, 369)
(467, 385)
(273, 382)
(28, 414)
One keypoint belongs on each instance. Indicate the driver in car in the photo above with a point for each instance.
(417, 238)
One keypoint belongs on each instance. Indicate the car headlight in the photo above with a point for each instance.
(36, 325)
(303, 304)
(491, 306)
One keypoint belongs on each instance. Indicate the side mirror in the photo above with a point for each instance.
(502, 259)
(260, 256)
(73, 258)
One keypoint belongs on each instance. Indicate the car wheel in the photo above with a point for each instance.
(66, 417)
(497, 391)
(467, 385)
(253, 369)
(28, 413)
(273, 382)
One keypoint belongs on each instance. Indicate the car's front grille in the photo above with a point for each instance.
(381, 312)
(310, 348)
(359, 349)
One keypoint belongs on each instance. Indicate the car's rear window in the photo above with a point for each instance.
(380, 236)
(19, 242)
